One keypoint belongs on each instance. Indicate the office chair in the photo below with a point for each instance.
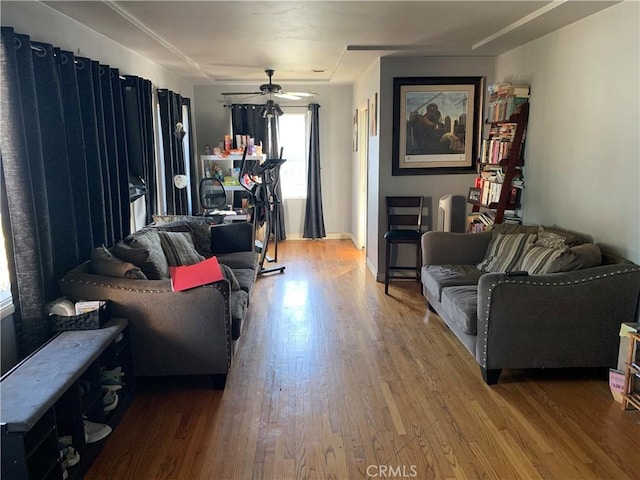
(404, 225)
(212, 195)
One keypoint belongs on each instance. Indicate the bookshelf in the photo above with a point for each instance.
(495, 196)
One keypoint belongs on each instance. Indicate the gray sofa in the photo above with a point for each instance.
(539, 320)
(190, 332)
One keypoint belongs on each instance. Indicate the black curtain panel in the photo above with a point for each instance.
(137, 98)
(65, 167)
(24, 200)
(93, 151)
(313, 217)
(246, 120)
(76, 151)
(174, 164)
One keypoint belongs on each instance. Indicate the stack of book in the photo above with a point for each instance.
(480, 221)
(504, 100)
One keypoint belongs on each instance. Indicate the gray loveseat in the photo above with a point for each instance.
(191, 332)
(540, 319)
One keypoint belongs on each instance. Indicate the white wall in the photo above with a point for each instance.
(582, 148)
(43, 24)
(431, 186)
(212, 123)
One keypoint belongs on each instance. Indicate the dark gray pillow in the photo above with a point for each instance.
(104, 263)
(199, 227)
(155, 261)
(229, 275)
(586, 255)
(178, 248)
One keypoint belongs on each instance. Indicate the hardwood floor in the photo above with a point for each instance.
(336, 380)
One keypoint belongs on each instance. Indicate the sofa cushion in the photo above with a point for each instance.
(178, 248)
(437, 277)
(229, 275)
(238, 301)
(460, 305)
(246, 278)
(239, 259)
(104, 263)
(539, 260)
(153, 264)
(505, 252)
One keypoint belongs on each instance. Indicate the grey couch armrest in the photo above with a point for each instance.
(174, 333)
(557, 320)
(448, 248)
(232, 237)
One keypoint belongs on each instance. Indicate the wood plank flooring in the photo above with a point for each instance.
(335, 380)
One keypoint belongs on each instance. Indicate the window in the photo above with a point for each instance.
(6, 304)
(294, 139)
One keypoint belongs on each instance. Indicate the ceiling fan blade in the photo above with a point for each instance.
(241, 93)
(288, 96)
(302, 94)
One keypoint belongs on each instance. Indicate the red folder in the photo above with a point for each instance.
(190, 276)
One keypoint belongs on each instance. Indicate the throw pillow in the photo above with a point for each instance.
(178, 248)
(140, 258)
(148, 239)
(549, 239)
(199, 227)
(585, 255)
(539, 260)
(506, 251)
(229, 275)
(104, 263)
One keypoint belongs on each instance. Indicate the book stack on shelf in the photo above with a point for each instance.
(504, 100)
(496, 193)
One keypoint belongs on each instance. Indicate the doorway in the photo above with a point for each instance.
(362, 155)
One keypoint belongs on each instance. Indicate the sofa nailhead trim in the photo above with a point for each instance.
(529, 282)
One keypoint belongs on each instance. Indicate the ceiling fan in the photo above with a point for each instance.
(273, 89)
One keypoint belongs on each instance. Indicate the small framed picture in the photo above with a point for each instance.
(474, 195)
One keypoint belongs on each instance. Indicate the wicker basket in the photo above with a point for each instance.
(85, 321)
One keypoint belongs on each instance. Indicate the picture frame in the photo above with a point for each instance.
(437, 124)
(474, 195)
(355, 131)
(373, 115)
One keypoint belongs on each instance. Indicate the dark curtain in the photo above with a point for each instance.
(174, 162)
(64, 164)
(137, 96)
(313, 217)
(246, 120)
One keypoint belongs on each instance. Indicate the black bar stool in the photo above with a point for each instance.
(404, 225)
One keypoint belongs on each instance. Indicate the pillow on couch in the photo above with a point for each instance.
(581, 256)
(505, 252)
(144, 250)
(178, 248)
(199, 227)
(539, 260)
(104, 263)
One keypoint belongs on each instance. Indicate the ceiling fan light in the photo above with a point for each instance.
(278, 110)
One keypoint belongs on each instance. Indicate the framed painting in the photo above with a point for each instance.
(437, 124)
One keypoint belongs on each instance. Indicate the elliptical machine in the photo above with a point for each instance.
(260, 182)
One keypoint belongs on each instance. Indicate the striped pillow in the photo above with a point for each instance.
(506, 251)
(539, 260)
(178, 248)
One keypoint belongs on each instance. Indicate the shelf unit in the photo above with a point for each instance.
(509, 167)
(66, 371)
(227, 164)
(632, 374)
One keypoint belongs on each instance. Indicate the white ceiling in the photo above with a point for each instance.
(234, 41)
